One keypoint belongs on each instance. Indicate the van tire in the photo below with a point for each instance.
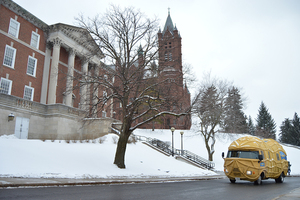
(258, 181)
(232, 180)
(280, 179)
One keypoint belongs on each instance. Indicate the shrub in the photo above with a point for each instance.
(74, 138)
(115, 139)
(53, 136)
(82, 138)
(43, 137)
(102, 139)
(67, 138)
(131, 140)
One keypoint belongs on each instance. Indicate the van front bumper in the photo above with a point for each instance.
(237, 174)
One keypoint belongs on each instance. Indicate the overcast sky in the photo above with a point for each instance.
(254, 43)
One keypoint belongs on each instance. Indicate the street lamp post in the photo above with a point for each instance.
(172, 129)
(181, 133)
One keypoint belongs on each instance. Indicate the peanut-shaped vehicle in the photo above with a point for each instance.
(253, 159)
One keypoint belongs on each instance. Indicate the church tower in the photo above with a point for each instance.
(170, 57)
(173, 89)
(170, 65)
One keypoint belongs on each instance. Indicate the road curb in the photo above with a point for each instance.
(44, 182)
(294, 194)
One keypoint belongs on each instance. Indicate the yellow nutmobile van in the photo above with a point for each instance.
(253, 159)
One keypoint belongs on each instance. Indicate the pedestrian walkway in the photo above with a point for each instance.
(46, 182)
(293, 195)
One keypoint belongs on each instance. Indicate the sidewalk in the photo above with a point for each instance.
(36, 182)
(293, 195)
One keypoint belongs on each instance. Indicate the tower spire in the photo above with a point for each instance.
(140, 50)
(169, 24)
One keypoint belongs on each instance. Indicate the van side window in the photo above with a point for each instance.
(283, 156)
(277, 156)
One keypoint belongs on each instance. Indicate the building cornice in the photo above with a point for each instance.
(74, 33)
(77, 38)
(25, 14)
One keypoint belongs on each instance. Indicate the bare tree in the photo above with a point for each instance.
(210, 110)
(130, 77)
(189, 76)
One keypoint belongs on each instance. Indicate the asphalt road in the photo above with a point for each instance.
(188, 190)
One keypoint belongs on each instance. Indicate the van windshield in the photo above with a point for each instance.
(243, 154)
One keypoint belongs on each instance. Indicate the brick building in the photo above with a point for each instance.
(37, 63)
(170, 65)
(170, 61)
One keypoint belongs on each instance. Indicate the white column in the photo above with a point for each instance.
(54, 71)
(95, 94)
(70, 75)
(84, 88)
(46, 72)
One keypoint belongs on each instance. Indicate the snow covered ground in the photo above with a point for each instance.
(35, 158)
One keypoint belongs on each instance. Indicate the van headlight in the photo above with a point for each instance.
(226, 170)
(249, 172)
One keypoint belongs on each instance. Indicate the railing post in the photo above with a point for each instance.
(181, 133)
(172, 130)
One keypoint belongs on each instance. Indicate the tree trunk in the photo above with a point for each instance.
(152, 125)
(121, 148)
(208, 149)
(211, 156)
(212, 148)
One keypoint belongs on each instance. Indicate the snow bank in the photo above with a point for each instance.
(194, 142)
(35, 158)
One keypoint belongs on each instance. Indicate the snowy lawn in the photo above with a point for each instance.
(35, 158)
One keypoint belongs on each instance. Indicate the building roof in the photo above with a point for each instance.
(25, 14)
(76, 38)
(169, 24)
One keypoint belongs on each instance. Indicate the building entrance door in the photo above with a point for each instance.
(21, 128)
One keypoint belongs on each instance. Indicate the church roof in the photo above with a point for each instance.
(169, 25)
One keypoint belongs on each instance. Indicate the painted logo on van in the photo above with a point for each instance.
(282, 155)
(262, 164)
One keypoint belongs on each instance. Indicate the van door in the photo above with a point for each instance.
(21, 127)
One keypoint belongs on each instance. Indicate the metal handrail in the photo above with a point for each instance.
(196, 158)
(164, 146)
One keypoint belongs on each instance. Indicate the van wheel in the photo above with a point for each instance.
(258, 181)
(280, 179)
(232, 180)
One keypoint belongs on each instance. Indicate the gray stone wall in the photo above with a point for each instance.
(98, 127)
(48, 121)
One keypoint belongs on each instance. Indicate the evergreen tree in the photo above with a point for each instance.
(251, 128)
(290, 131)
(285, 130)
(244, 125)
(266, 126)
(235, 120)
(296, 129)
